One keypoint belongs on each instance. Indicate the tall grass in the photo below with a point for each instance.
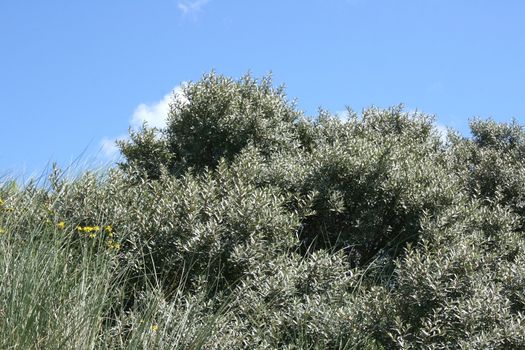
(61, 290)
(384, 240)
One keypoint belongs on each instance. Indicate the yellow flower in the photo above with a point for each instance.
(61, 225)
(2, 230)
(108, 229)
(112, 244)
(154, 327)
(96, 228)
(3, 207)
(92, 235)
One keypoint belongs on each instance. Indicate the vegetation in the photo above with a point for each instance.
(245, 225)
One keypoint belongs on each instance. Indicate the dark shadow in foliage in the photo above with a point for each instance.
(375, 177)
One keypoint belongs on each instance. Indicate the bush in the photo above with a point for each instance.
(492, 163)
(243, 224)
(217, 118)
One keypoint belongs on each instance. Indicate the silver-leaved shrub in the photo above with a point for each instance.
(244, 224)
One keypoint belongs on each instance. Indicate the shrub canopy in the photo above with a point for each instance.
(413, 241)
(263, 228)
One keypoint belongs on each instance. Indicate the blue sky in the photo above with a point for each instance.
(74, 75)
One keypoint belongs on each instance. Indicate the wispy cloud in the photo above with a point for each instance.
(154, 115)
(343, 115)
(188, 7)
(108, 147)
(442, 131)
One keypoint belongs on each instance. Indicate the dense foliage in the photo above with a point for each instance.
(246, 225)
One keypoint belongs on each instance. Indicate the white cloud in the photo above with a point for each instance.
(154, 115)
(191, 6)
(343, 115)
(109, 148)
(442, 131)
